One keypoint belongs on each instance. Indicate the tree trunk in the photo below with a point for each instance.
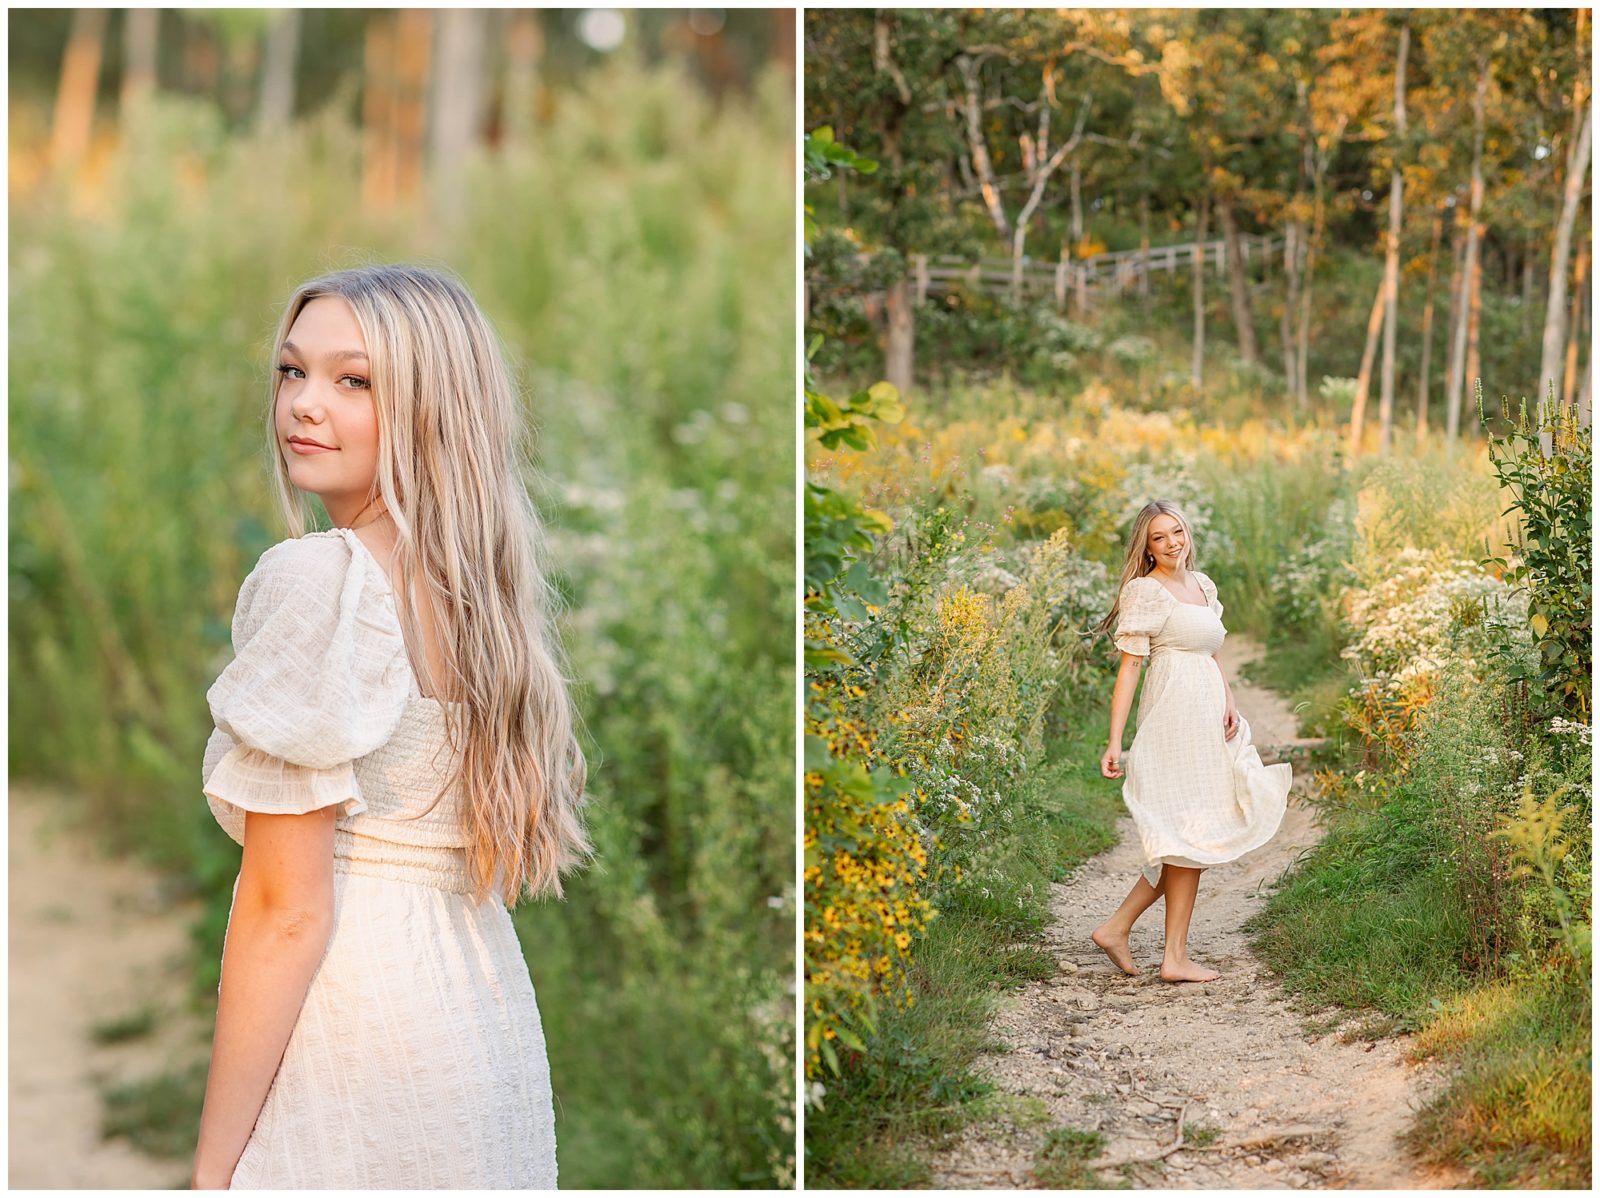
(1580, 292)
(898, 360)
(1391, 258)
(1583, 395)
(73, 121)
(1316, 159)
(276, 107)
(1527, 286)
(1474, 314)
(1358, 410)
(378, 165)
(415, 43)
(1550, 357)
(524, 49)
(1045, 167)
(1144, 246)
(1458, 293)
(1081, 299)
(977, 146)
(1238, 282)
(141, 34)
(1198, 357)
(1427, 326)
(1291, 260)
(458, 103)
(1459, 351)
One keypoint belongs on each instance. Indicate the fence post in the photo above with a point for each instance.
(921, 263)
(1061, 281)
(1172, 262)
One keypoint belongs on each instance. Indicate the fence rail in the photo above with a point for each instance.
(1088, 278)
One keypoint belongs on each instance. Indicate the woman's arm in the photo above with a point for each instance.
(1121, 704)
(278, 931)
(1230, 713)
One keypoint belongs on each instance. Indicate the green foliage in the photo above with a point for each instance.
(918, 1078)
(1555, 500)
(650, 311)
(156, 1115)
(1517, 1111)
(1062, 1160)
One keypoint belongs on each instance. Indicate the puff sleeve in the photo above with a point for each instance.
(319, 678)
(1141, 612)
(1210, 589)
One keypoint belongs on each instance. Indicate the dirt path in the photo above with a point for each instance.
(1098, 1051)
(93, 942)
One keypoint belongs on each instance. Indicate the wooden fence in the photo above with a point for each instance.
(1085, 279)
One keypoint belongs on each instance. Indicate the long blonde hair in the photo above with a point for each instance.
(1137, 560)
(451, 441)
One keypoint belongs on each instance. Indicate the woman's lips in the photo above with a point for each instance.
(304, 447)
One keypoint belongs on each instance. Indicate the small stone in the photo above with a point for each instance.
(1068, 967)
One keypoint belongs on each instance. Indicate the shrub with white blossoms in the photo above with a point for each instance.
(1430, 609)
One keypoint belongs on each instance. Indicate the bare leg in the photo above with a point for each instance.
(1112, 936)
(1182, 884)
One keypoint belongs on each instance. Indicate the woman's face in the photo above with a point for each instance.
(326, 422)
(1166, 541)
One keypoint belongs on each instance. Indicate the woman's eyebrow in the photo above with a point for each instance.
(338, 355)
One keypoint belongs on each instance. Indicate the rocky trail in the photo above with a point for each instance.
(1218, 1085)
(99, 961)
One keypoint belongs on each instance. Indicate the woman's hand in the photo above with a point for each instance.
(204, 1179)
(1230, 721)
(1111, 762)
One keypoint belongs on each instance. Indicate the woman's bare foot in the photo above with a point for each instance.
(1115, 947)
(1186, 971)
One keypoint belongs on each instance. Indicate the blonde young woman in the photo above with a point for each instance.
(394, 750)
(1194, 784)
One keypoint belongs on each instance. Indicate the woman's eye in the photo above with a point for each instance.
(355, 378)
(285, 368)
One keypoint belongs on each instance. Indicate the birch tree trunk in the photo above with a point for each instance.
(1458, 257)
(1238, 282)
(140, 36)
(1553, 345)
(1291, 260)
(1580, 293)
(457, 103)
(1459, 351)
(1144, 246)
(977, 146)
(1081, 298)
(1391, 259)
(276, 105)
(1198, 355)
(1427, 326)
(1358, 410)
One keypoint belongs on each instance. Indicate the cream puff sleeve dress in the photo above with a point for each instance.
(1197, 799)
(417, 1059)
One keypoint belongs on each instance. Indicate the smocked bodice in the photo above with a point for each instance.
(398, 836)
(1189, 629)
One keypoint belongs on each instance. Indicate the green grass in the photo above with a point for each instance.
(1362, 923)
(1062, 1161)
(916, 1081)
(1517, 1111)
(1375, 925)
(1200, 1135)
(135, 1025)
(157, 1115)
